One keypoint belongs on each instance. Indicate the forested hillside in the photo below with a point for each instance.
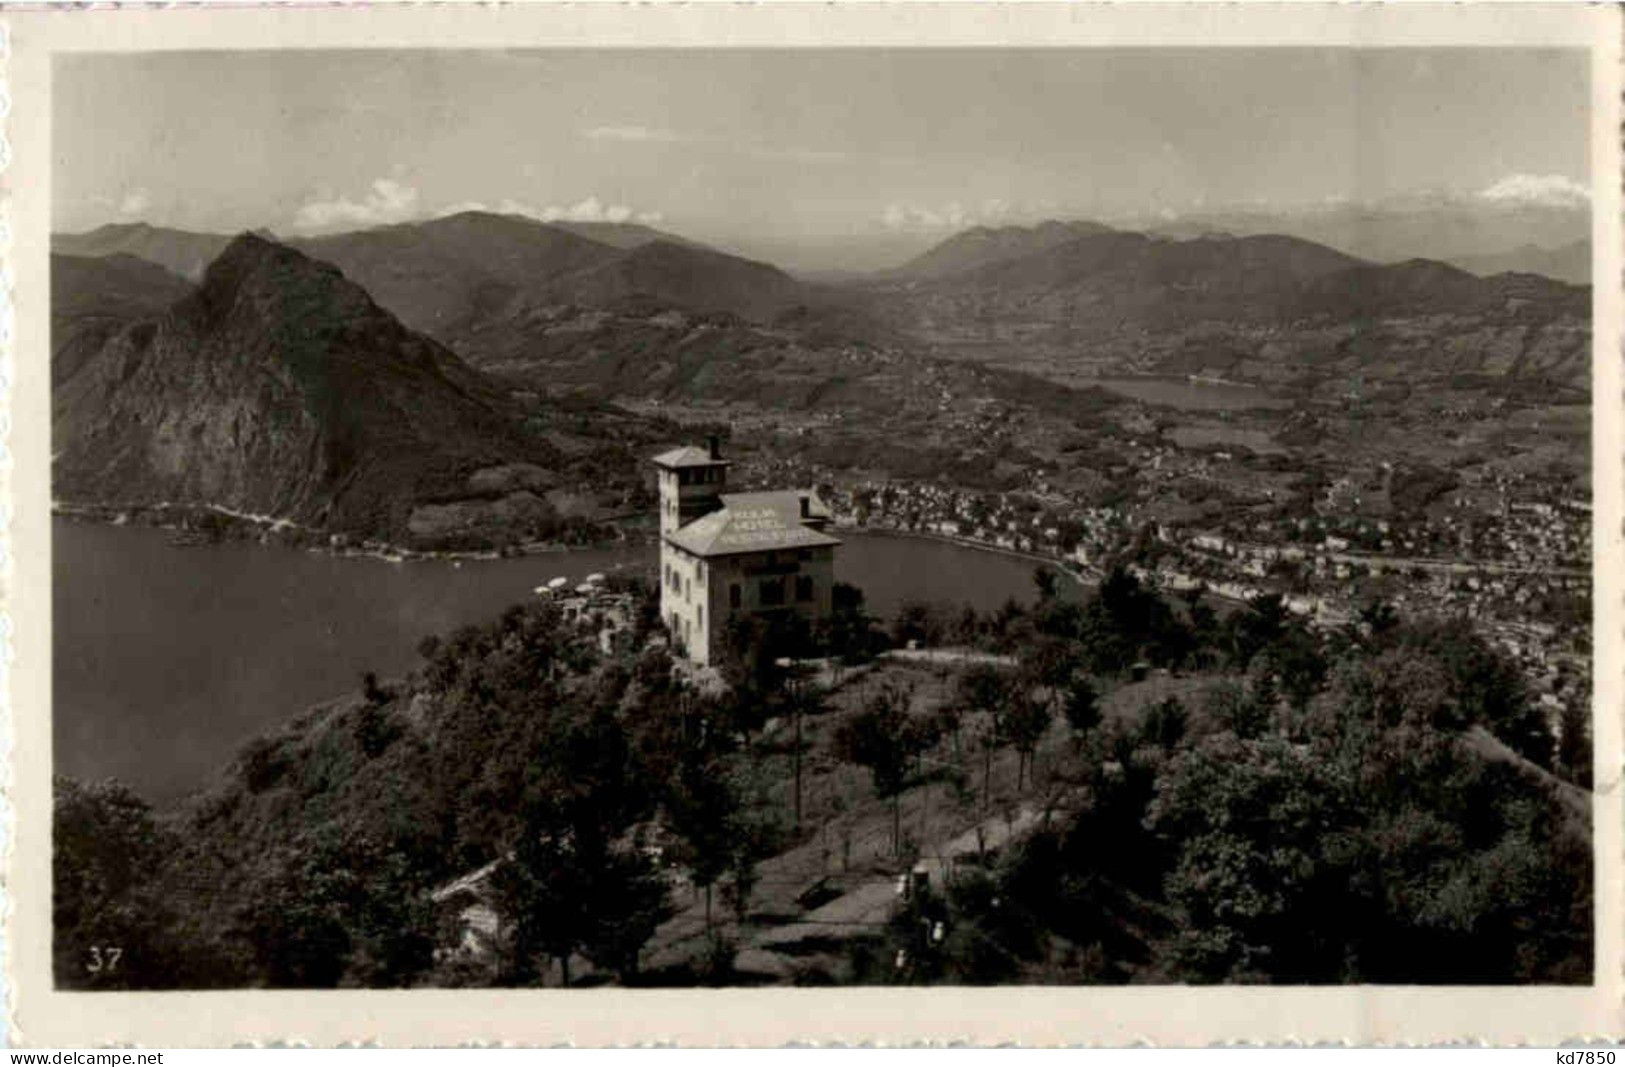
(1268, 804)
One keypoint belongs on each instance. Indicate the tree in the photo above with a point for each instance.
(1081, 705)
(1257, 628)
(982, 688)
(1164, 723)
(919, 621)
(755, 833)
(1377, 619)
(570, 887)
(749, 664)
(1050, 661)
(949, 717)
(1295, 660)
(113, 925)
(1045, 581)
(1486, 686)
(371, 690)
(1204, 625)
(297, 926)
(804, 699)
(339, 908)
(630, 900)
(878, 738)
(547, 890)
(1026, 720)
(393, 923)
(1574, 743)
(986, 689)
(701, 809)
(578, 881)
(850, 634)
(1230, 707)
(967, 627)
(1128, 618)
(1251, 817)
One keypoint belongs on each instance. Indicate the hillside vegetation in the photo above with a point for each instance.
(1291, 808)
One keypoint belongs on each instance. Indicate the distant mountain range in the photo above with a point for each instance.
(1567, 263)
(981, 246)
(441, 275)
(1266, 308)
(278, 387)
(1119, 276)
(1482, 237)
(94, 297)
(625, 235)
(181, 252)
(514, 293)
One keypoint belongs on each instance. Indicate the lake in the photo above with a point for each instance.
(168, 659)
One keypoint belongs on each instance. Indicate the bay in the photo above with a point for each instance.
(167, 659)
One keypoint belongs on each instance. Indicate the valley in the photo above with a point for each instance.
(1296, 514)
(1107, 394)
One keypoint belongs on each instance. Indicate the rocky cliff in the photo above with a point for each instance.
(279, 388)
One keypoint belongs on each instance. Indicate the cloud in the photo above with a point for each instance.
(500, 207)
(952, 216)
(131, 203)
(1551, 190)
(387, 201)
(591, 209)
(135, 202)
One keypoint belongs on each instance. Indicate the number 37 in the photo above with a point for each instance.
(103, 958)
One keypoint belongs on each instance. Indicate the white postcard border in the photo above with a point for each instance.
(1025, 1015)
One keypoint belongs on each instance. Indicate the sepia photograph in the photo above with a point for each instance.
(685, 518)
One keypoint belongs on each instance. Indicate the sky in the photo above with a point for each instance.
(802, 154)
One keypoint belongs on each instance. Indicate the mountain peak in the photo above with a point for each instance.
(271, 274)
(279, 387)
(982, 246)
(241, 256)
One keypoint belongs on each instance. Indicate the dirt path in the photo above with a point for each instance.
(870, 904)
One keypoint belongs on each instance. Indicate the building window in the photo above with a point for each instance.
(804, 587)
(699, 617)
(734, 596)
(772, 592)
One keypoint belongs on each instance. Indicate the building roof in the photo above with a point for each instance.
(688, 456)
(756, 522)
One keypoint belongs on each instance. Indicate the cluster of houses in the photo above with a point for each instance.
(1510, 551)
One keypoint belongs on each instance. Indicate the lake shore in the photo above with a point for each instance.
(208, 524)
(166, 659)
(1084, 576)
(225, 525)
